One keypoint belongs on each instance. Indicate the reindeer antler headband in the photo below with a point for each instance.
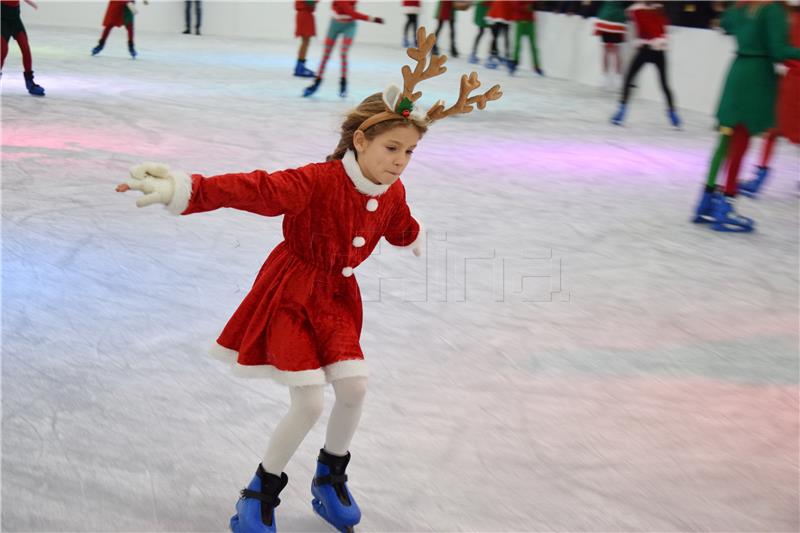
(400, 103)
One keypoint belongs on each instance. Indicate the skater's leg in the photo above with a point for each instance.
(198, 15)
(660, 61)
(3, 52)
(638, 62)
(344, 51)
(416, 28)
(106, 31)
(346, 413)
(534, 48)
(304, 411)
(720, 155)
(519, 30)
(453, 49)
(769, 145)
(477, 41)
(24, 47)
(129, 28)
(506, 39)
(739, 143)
(303, 51)
(188, 15)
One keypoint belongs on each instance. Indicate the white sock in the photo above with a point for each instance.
(305, 409)
(346, 414)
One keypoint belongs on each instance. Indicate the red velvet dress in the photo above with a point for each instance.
(303, 313)
(117, 13)
(788, 108)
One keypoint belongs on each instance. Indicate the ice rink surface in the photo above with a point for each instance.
(571, 354)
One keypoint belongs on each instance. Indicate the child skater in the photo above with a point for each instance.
(747, 105)
(304, 28)
(118, 13)
(500, 16)
(787, 111)
(481, 9)
(525, 27)
(651, 30)
(411, 9)
(343, 23)
(301, 321)
(611, 28)
(12, 27)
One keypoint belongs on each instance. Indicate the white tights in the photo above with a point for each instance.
(305, 409)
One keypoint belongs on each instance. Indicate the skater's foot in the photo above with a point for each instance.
(301, 71)
(343, 87)
(674, 118)
(132, 51)
(33, 88)
(197, 31)
(473, 59)
(96, 50)
(619, 116)
(311, 89)
(728, 220)
(187, 31)
(538, 71)
(751, 187)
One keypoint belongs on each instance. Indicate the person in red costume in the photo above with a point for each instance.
(305, 28)
(12, 27)
(651, 42)
(500, 16)
(300, 324)
(343, 23)
(787, 110)
(411, 8)
(118, 13)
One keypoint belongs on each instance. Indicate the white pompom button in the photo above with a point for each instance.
(347, 272)
(359, 241)
(372, 204)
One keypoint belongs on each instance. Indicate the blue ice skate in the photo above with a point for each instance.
(704, 214)
(332, 500)
(311, 89)
(301, 71)
(33, 88)
(619, 116)
(473, 59)
(751, 187)
(255, 510)
(727, 219)
(132, 51)
(674, 118)
(343, 87)
(492, 62)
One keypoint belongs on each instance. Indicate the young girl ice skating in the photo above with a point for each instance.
(301, 321)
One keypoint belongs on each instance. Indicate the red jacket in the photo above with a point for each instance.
(345, 11)
(651, 24)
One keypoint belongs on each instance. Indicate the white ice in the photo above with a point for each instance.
(571, 354)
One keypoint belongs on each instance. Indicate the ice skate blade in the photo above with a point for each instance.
(319, 511)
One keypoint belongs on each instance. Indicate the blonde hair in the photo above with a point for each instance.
(372, 105)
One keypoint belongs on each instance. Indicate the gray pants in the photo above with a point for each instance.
(198, 14)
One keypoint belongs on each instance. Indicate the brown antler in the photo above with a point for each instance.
(464, 104)
(420, 54)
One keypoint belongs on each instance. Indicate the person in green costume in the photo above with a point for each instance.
(747, 104)
(481, 8)
(525, 26)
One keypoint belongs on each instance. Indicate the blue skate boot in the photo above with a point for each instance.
(674, 118)
(342, 87)
(619, 116)
(332, 501)
(132, 50)
(728, 220)
(492, 62)
(473, 59)
(255, 510)
(311, 89)
(301, 71)
(97, 49)
(32, 86)
(704, 214)
(751, 187)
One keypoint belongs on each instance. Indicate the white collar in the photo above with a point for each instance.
(361, 183)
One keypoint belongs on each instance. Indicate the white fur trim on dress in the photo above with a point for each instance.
(301, 378)
(361, 183)
(181, 194)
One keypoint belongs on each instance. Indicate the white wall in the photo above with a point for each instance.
(697, 59)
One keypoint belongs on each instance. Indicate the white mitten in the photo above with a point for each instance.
(132, 7)
(153, 179)
(419, 243)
